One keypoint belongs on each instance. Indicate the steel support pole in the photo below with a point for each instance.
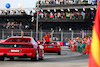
(37, 27)
(72, 34)
(37, 22)
(11, 32)
(31, 33)
(41, 35)
(82, 34)
(61, 35)
(2, 34)
(52, 36)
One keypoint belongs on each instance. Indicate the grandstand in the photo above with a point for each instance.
(66, 14)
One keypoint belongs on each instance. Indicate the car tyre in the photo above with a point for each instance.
(42, 56)
(36, 56)
(12, 58)
(59, 53)
(32, 59)
(1, 58)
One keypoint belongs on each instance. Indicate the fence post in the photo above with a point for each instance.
(2, 34)
(62, 35)
(72, 34)
(82, 34)
(41, 35)
(11, 32)
(52, 36)
(31, 33)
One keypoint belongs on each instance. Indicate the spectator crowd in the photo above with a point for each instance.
(15, 25)
(81, 44)
(13, 12)
(64, 2)
(66, 15)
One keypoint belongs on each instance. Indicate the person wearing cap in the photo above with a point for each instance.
(46, 37)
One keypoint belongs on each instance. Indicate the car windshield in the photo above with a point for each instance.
(19, 40)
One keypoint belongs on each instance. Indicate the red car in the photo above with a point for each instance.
(21, 47)
(52, 47)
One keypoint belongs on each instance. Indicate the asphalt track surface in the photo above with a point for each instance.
(66, 59)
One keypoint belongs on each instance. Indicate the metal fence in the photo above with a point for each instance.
(57, 35)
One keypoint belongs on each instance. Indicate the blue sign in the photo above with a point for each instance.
(7, 5)
(65, 43)
(94, 2)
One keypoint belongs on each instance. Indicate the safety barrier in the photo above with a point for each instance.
(63, 35)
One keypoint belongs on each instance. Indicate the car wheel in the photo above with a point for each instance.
(59, 53)
(11, 58)
(32, 59)
(2, 58)
(42, 56)
(36, 56)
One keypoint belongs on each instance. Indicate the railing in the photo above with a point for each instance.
(56, 2)
(57, 35)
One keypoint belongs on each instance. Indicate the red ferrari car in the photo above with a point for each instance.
(21, 47)
(52, 47)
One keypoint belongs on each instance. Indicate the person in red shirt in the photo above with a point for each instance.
(46, 37)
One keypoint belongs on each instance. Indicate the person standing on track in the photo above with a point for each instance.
(46, 37)
(88, 40)
(88, 44)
